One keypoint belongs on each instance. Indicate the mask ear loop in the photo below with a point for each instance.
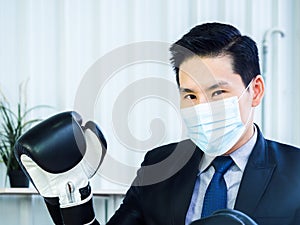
(244, 91)
(249, 116)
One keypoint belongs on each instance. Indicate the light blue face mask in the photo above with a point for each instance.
(215, 127)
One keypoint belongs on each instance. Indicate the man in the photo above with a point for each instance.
(218, 71)
(218, 75)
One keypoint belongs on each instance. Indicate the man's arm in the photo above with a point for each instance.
(130, 211)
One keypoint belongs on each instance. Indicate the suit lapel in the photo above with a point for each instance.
(257, 176)
(183, 186)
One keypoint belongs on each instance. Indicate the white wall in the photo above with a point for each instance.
(55, 44)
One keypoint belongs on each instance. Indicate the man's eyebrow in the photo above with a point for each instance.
(217, 85)
(185, 90)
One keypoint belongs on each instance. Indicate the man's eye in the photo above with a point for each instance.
(190, 97)
(218, 92)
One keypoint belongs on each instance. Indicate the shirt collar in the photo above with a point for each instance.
(239, 156)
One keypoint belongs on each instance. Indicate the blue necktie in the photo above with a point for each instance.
(216, 193)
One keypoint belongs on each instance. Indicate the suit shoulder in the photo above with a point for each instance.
(160, 153)
(282, 146)
(284, 153)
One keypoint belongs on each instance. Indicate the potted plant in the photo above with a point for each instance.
(12, 126)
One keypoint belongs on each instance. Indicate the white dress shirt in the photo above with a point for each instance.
(232, 178)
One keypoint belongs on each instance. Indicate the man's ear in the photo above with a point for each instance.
(258, 87)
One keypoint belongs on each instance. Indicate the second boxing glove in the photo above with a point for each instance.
(60, 156)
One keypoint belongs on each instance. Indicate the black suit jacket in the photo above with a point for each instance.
(161, 193)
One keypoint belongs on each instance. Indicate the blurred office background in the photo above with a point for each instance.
(52, 47)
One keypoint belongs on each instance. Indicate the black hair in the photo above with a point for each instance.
(217, 39)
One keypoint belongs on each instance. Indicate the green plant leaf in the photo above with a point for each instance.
(12, 126)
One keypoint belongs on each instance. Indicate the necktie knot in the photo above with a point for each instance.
(222, 164)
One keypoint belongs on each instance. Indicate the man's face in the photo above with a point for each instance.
(210, 79)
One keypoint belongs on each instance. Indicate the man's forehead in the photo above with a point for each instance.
(194, 66)
(193, 86)
(207, 69)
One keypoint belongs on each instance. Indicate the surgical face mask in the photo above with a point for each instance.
(215, 127)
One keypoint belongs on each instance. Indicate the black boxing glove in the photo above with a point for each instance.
(59, 155)
(226, 217)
